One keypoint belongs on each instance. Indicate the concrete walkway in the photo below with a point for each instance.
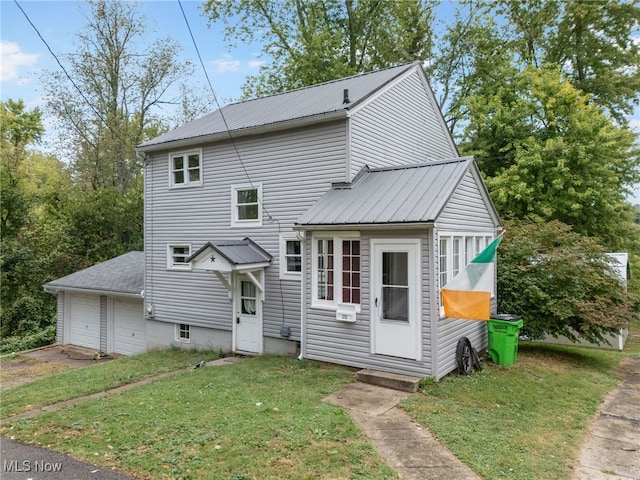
(612, 449)
(408, 448)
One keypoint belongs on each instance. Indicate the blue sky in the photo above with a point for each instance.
(24, 56)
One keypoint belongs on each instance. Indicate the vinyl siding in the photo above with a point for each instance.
(294, 167)
(466, 212)
(400, 126)
(330, 340)
(60, 317)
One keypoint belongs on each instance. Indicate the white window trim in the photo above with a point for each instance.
(479, 241)
(186, 183)
(177, 266)
(177, 332)
(235, 222)
(337, 238)
(284, 273)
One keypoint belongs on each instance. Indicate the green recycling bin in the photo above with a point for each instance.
(504, 330)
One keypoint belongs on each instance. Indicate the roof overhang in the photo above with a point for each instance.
(364, 226)
(243, 132)
(55, 289)
(237, 256)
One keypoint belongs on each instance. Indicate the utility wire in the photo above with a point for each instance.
(65, 71)
(224, 120)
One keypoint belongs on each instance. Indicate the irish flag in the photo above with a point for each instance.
(468, 294)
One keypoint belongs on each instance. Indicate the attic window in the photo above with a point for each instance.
(185, 169)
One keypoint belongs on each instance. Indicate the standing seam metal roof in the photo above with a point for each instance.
(295, 104)
(405, 194)
(238, 252)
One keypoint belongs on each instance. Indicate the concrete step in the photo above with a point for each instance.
(404, 383)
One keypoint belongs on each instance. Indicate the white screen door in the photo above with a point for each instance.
(248, 316)
(395, 309)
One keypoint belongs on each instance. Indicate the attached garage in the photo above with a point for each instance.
(101, 307)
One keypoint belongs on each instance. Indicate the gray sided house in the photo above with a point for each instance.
(322, 221)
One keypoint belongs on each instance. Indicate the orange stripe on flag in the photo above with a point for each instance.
(467, 304)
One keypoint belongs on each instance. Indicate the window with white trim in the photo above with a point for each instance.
(185, 169)
(290, 256)
(183, 333)
(177, 255)
(246, 205)
(456, 251)
(336, 270)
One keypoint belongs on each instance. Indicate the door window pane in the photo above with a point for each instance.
(248, 298)
(395, 286)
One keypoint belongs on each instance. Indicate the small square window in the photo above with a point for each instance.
(186, 169)
(183, 333)
(290, 256)
(177, 257)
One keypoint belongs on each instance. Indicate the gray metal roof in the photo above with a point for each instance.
(406, 194)
(123, 274)
(237, 252)
(313, 101)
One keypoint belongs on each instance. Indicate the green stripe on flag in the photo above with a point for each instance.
(488, 254)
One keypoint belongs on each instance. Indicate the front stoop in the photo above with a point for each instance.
(404, 383)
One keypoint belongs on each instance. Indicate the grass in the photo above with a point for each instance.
(523, 422)
(95, 378)
(262, 418)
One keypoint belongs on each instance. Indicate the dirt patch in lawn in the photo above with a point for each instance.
(28, 366)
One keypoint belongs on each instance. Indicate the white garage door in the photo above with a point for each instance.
(84, 321)
(129, 327)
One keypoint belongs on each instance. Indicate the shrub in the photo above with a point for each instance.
(560, 283)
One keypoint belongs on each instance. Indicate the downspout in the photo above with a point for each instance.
(303, 295)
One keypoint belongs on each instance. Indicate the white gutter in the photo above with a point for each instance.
(54, 290)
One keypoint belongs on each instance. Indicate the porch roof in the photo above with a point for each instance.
(235, 254)
(394, 195)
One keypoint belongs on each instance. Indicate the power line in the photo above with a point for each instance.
(224, 120)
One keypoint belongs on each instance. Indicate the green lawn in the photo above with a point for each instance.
(96, 378)
(523, 422)
(261, 418)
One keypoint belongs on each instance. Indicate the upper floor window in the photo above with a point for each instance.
(177, 257)
(290, 256)
(185, 168)
(336, 270)
(246, 204)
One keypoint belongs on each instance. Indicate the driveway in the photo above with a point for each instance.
(40, 362)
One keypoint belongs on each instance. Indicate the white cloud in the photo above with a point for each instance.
(255, 64)
(11, 59)
(226, 64)
(634, 124)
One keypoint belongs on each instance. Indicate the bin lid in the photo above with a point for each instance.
(506, 317)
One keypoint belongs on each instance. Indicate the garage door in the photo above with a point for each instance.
(129, 327)
(84, 321)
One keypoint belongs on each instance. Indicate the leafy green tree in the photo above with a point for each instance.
(590, 42)
(549, 152)
(18, 128)
(114, 93)
(312, 41)
(560, 283)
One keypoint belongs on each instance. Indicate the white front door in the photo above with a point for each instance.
(395, 297)
(247, 326)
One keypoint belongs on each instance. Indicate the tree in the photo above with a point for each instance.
(560, 283)
(549, 152)
(113, 94)
(590, 42)
(312, 41)
(18, 128)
